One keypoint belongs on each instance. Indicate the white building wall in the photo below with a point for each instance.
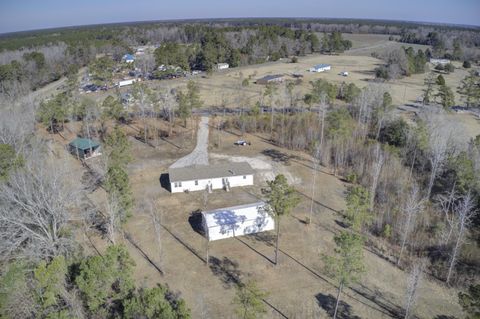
(217, 183)
(325, 68)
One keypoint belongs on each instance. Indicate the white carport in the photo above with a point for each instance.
(237, 221)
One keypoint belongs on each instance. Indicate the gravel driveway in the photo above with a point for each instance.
(199, 156)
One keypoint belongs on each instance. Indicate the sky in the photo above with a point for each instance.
(19, 15)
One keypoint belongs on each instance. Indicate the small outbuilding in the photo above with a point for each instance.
(210, 177)
(84, 148)
(237, 221)
(276, 78)
(128, 58)
(222, 66)
(321, 68)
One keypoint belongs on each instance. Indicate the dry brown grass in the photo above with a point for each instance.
(298, 286)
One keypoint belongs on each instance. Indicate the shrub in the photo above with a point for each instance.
(467, 64)
(294, 59)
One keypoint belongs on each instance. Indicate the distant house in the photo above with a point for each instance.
(439, 61)
(126, 82)
(276, 78)
(237, 221)
(210, 177)
(84, 148)
(222, 66)
(128, 58)
(320, 68)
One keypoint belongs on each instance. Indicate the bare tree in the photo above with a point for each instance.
(156, 217)
(412, 207)
(439, 143)
(113, 222)
(414, 280)
(464, 210)
(36, 206)
(376, 170)
(315, 159)
(446, 203)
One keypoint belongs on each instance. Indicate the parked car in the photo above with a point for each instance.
(242, 143)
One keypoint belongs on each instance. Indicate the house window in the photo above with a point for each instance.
(196, 183)
(178, 184)
(244, 177)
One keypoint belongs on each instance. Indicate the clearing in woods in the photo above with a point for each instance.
(298, 286)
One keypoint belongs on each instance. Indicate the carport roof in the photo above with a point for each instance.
(198, 172)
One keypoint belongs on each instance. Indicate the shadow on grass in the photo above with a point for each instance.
(226, 270)
(327, 303)
(277, 156)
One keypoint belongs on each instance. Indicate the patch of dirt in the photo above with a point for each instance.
(264, 170)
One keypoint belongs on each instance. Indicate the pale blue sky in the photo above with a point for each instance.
(16, 15)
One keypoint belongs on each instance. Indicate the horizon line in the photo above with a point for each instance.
(466, 26)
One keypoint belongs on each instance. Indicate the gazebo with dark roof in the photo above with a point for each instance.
(84, 148)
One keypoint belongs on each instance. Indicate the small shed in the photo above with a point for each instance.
(321, 68)
(237, 221)
(128, 58)
(84, 148)
(276, 78)
(222, 66)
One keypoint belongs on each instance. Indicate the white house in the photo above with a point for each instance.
(439, 61)
(320, 68)
(210, 177)
(222, 66)
(237, 221)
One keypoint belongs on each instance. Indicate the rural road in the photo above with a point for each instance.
(199, 156)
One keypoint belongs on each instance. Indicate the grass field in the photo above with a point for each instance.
(225, 86)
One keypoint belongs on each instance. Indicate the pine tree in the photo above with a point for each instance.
(281, 199)
(249, 301)
(470, 89)
(358, 208)
(347, 265)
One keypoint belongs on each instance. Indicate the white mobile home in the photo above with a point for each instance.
(237, 221)
(210, 177)
(321, 68)
(439, 61)
(126, 82)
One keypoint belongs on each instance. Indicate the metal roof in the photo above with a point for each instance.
(198, 172)
(271, 77)
(237, 221)
(128, 56)
(235, 214)
(322, 65)
(84, 143)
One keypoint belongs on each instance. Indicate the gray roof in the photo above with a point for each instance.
(198, 172)
(271, 77)
(322, 65)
